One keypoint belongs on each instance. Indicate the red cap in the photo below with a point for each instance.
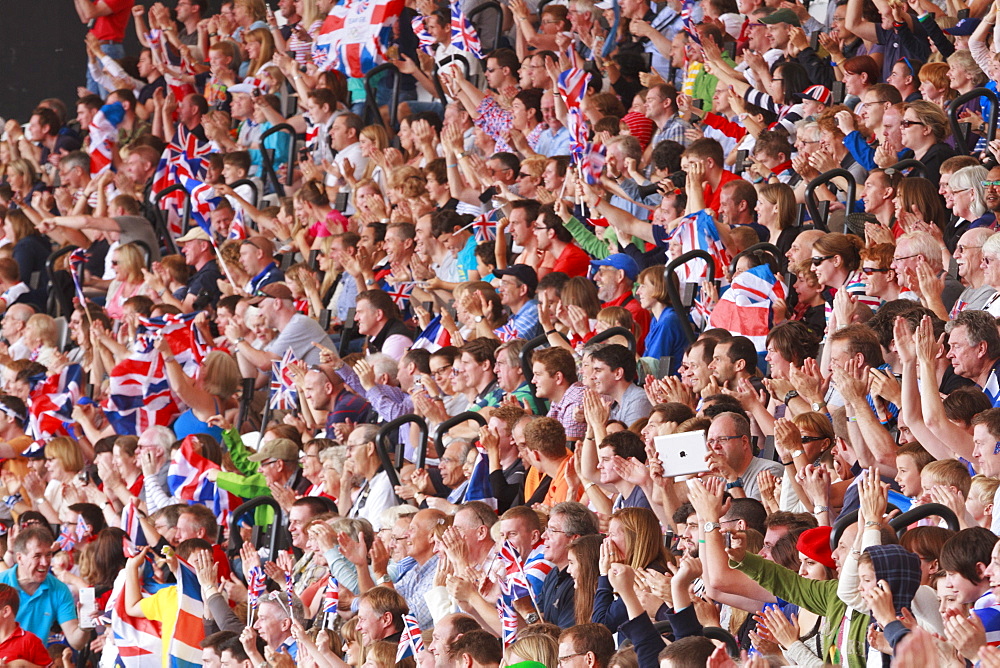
(815, 544)
(640, 127)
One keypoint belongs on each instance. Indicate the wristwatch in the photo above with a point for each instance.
(791, 394)
(818, 406)
(532, 618)
(385, 579)
(736, 483)
(478, 318)
(711, 526)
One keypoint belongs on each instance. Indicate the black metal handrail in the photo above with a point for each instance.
(267, 156)
(612, 332)
(901, 522)
(443, 429)
(236, 540)
(371, 101)
(163, 229)
(910, 163)
(382, 444)
(682, 311)
(481, 9)
(961, 140)
(821, 221)
(764, 246)
(526, 351)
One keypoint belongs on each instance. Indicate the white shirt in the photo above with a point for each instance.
(374, 497)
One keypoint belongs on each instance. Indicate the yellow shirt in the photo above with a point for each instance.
(163, 607)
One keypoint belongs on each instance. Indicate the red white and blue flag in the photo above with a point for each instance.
(139, 395)
(592, 163)
(284, 396)
(104, 137)
(411, 642)
(184, 156)
(479, 488)
(203, 201)
(187, 480)
(238, 228)
(698, 231)
(513, 581)
(354, 36)
(51, 401)
(508, 332)
(484, 228)
(137, 639)
(747, 307)
(331, 596)
(256, 586)
(189, 630)
(463, 34)
(132, 526)
(572, 87)
(182, 336)
(424, 40)
(70, 536)
(434, 337)
(508, 621)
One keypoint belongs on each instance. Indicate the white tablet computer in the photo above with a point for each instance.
(682, 454)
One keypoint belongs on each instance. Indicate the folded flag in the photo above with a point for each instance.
(77, 261)
(51, 400)
(331, 597)
(698, 231)
(508, 621)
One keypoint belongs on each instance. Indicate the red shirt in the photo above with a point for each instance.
(573, 261)
(713, 197)
(111, 28)
(639, 314)
(25, 646)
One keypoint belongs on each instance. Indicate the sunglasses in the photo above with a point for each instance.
(817, 261)
(813, 439)
(907, 123)
(872, 270)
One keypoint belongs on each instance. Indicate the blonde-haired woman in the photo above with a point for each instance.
(260, 51)
(127, 263)
(538, 647)
(211, 392)
(63, 460)
(248, 15)
(635, 539)
(22, 179)
(374, 139)
(776, 210)
(529, 177)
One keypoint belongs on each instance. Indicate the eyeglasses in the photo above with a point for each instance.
(817, 261)
(961, 249)
(907, 123)
(522, 175)
(565, 659)
(874, 270)
(813, 439)
(443, 371)
(551, 530)
(721, 439)
(955, 192)
(269, 462)
(905, 257)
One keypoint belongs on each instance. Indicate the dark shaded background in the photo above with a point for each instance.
(42, 54)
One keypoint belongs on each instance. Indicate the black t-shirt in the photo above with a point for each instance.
(205, 280)
(146, 94)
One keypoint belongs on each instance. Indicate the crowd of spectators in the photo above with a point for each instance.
(482, 252)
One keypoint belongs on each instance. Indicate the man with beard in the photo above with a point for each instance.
(615, 277)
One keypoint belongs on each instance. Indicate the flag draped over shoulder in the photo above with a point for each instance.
(189, 630)
(354, 36)
(104, 137)
(747, 307)
(698, 231)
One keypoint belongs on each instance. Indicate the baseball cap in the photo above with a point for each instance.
(782, 16)
(262, 243)
(816, 93)
(619, 261)
(964, 28)
(275, 290)
(278, 448)
(196, 233)
(521, 272)
(244, 88)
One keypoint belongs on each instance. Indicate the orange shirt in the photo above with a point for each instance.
(559, 490)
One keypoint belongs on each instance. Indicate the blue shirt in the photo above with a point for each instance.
(666, 338)
(467, 258)
(554, 144)
(52, 603)
(523, 324)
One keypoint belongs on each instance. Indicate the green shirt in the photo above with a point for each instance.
(595, 246)
(816, 596)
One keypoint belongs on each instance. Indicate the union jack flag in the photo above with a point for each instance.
(331, 597)
(508, 621)
(572, 86)
(400, 294)
(70, 537)
(425, 41)
(137, 639)
(104, 137)
(238, 228)
(354, 36)
(51, 400)
(698, 231)
(484, 228)
(187, 480)
(203, 201)
(132, 526)
(508, 332)
(513, 580)
(434, 337)
(284, 397)
(687, 16)
(256, 585)
(592, 163)
(183, 156)
(463, 34)
(747, 307)
(411, 642)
